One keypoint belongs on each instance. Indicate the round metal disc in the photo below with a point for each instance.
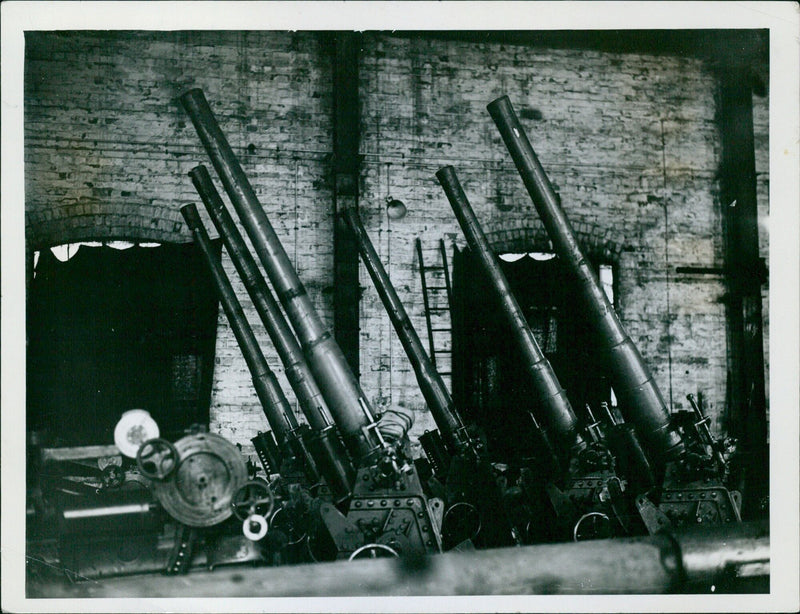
(134, 428)
(210, 470)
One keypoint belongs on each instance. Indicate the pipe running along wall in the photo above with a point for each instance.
(430, 382)
(346, 401)
(640, 400)
(273, 401)
(555, 410)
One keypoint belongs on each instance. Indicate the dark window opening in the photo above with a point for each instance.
(489, 379)
(111, 330)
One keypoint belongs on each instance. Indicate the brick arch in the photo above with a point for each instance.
(596, 242)
(74, 223)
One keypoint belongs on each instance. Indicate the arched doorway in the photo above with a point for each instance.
(115, 329)
(490, 382)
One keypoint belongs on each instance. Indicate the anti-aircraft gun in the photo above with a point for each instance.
(387, 511)
(573, 470)
(324, 446)
(680, 446)
(328, 471)
(283, 451)
(477, 510)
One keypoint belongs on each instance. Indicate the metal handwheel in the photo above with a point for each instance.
(594, 525)
(373, 551)
(157, 459)
(253, 498)
(461, 521)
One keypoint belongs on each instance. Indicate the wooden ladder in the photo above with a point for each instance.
(437, 298)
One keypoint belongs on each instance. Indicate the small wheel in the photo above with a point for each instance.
(460, 522)
(255, 527)
(157, 459)
(295, 524)
(374, 551)
(594, 525)
(253, 498)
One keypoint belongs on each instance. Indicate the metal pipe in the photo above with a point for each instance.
(640, 400)
(556, 411)
(328, 364)
(430, 382)
(276, 408)
(109, 510)
(725, 553)
(297, 370)
(644, 565)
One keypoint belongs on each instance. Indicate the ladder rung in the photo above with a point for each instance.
(442, 351)
(438, 309)
(437, 287)
(442, 330)
(445, 373)
(433, 267)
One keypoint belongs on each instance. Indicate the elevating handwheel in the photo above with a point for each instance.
(157, 459)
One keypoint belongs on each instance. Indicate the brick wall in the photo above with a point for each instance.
(108, 150)
(629, 140)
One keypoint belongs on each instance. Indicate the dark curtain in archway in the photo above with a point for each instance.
(112, 330)
(489, 379)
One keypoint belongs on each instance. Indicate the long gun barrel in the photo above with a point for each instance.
(324, 444)
(273, 401)
(557, 414)
(348, 405)
(430, 382)
(640, 400)
(297, 371)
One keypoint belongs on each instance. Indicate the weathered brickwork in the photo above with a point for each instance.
(629, 140)
(108, 150)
